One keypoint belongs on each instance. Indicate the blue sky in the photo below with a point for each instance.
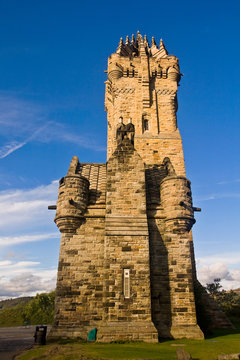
(52, 60)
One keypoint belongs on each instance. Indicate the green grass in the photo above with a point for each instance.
(209, 349)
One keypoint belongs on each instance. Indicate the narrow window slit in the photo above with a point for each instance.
(126, 283)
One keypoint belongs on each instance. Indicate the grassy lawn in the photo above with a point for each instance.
(209, 349)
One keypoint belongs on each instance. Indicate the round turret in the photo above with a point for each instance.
(72, 202)
(173, 74)
(176, 199)
(115, 70)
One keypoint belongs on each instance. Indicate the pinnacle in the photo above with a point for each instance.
(133, 40)
(140, 46)
(153, 42)
(162, 48)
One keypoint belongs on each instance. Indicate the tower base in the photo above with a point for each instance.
(127, 331)
(187, 332)
(110, 331)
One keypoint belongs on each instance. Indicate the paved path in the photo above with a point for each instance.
(15, 339)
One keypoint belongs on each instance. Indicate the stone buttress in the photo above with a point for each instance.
(126, 263)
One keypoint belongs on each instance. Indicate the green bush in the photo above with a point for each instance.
(39, 310)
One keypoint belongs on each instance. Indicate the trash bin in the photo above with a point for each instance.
(40, 335)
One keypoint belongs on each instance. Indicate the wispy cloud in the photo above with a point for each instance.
(228, 258)
(27, 210)
(234, 181)
(26, 121)
(13, 240)
(216, 196)
(9, 148)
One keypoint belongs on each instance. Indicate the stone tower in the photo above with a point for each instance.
(126, 263)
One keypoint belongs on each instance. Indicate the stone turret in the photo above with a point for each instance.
(176, 200)
(72, 199)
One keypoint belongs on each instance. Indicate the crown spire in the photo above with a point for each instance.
(120, 46)
(140, 46)
(153, 42)
(162, 49)
(133, 40)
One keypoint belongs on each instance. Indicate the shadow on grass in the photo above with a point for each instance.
(224, 332)
(221, 332)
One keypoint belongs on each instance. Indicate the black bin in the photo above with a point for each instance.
(40, 335)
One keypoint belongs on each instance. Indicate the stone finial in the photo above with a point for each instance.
(146, 44)
(154, 49)
(127, 41)
(162, 49)
(133, 40)
(139, 38)
(145, 40)
(120, 46)
(153, 42)
(141, 46)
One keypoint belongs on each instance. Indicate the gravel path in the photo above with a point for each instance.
(15, 339)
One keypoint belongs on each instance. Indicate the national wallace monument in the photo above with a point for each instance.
(126, 263)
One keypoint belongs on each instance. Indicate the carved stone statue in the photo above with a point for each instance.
(169, 167)
(120, 130)
(130, 130)
(125, 131)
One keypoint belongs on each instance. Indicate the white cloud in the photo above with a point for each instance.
(225, 267)
(25, 278)
(207, 273)
(27, 209)
(26, 284)
(24, 218)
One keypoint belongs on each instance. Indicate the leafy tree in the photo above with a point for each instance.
(39, 310)
(229, 301)
(214, 288)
